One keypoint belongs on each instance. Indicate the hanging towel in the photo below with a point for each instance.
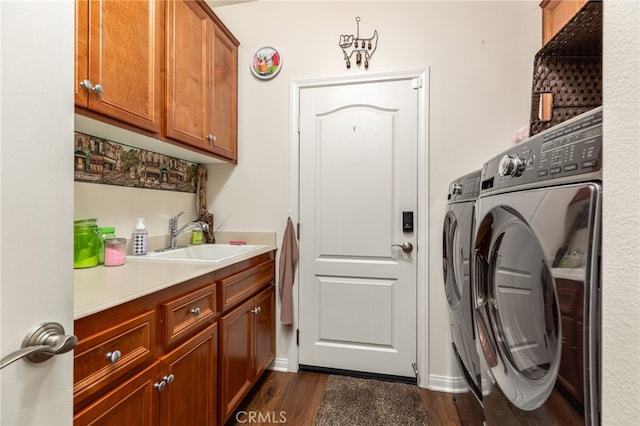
(288, 262)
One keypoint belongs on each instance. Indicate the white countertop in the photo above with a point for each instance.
(102, 287)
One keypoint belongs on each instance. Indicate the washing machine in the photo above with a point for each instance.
(536, 263)
(457, 236)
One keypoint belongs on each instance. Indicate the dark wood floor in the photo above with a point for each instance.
(294, 399)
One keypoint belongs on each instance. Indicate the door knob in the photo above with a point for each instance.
(42, 343)
(406, 247)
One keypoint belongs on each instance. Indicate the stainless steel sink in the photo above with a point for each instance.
(201, 253)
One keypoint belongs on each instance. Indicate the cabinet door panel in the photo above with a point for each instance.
(124, 58)
(134, 403)
(236, 358)
(192, 396)
(188, 94)
(264, 335)
(82, 47)
(225, 93)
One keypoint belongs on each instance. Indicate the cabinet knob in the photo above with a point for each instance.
(166, 380)
(211, 138)
(87, 84)
(97, 89)
(114, 356)
(160, 385)
(256, 310)
(195, 311)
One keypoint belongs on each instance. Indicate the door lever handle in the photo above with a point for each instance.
(406, 247)
(42, 343)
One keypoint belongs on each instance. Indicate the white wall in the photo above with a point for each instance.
(480, 56)
(119, 207)
(621, 212)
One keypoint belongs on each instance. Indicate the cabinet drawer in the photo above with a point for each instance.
(242, 285)
(103, 357)
(182, 316)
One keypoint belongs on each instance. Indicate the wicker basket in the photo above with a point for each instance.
(569, 67)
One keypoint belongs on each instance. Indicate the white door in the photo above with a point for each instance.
(358, 175)
(36, 201)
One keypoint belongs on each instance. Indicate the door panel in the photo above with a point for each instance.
(36, 132)
(358, 173)
(335, 304)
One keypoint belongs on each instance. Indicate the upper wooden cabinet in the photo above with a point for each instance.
(118, 60)
(166, 69)
(225, 91)
(189, 98)
(555, 14)
(201, 82)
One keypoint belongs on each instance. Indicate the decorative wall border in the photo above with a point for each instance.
(106, 162)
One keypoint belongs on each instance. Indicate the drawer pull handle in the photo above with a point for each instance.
(114, 356)
(195, 311)
(256, 310)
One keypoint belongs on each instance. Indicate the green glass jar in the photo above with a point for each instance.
(87, 243)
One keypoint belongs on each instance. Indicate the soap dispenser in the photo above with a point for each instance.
(139, 239)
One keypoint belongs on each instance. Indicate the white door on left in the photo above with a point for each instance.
(36, 202)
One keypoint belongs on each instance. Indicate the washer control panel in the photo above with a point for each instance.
(465, 188)
(568, 152)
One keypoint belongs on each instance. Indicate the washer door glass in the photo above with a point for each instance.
(451, 287)
(522, 308)
(456, 249)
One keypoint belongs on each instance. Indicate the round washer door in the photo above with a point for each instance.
(456, 252)
(520, 305)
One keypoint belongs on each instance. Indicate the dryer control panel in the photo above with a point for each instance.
(568, 152)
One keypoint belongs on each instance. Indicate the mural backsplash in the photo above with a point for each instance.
(102, 161)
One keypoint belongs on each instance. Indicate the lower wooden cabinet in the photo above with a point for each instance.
(190, 398)
(264, 331)
(185, 355)
(135, 402)
(247, 348)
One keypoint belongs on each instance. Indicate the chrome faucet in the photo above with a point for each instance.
(175, 232)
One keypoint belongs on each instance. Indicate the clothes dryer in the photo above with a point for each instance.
(537, 277)
(457, 236)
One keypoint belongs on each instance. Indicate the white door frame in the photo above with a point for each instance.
(422, 328)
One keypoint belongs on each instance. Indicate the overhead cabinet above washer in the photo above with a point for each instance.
(164, 69)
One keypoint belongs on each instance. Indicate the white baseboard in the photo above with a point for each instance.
(280, 364)
(447, 384)
(435, 383)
